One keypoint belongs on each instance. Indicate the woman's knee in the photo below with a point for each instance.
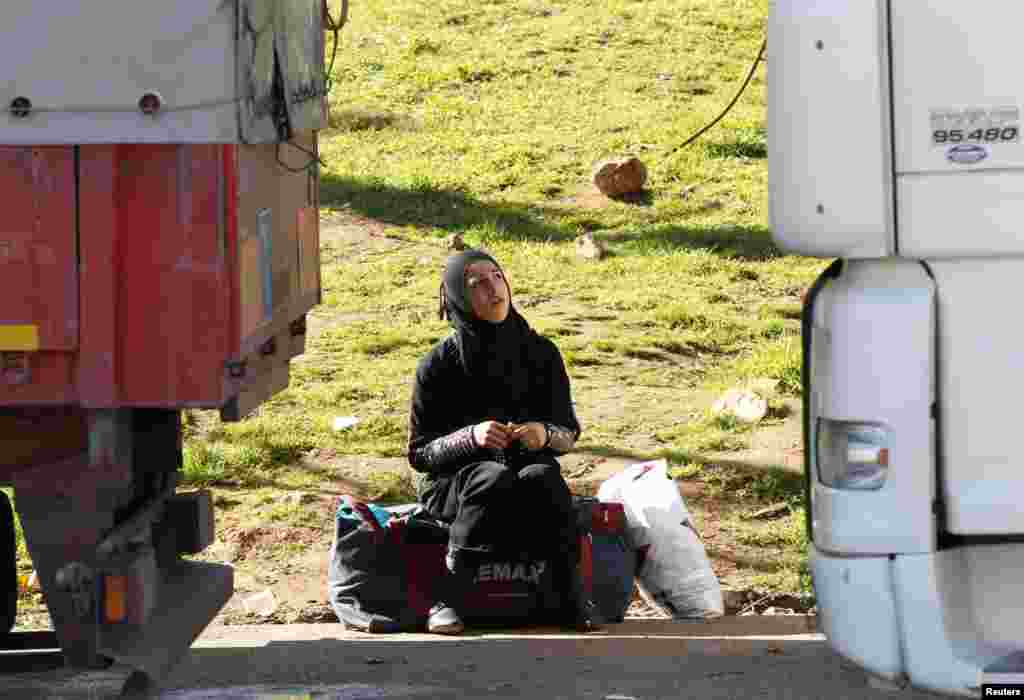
(540, 472)
(485, 476)
(545, 476)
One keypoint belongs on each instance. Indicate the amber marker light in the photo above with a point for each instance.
(115, 598)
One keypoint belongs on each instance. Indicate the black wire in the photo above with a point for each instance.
(750, 76)
(334, 26)
(314, 158)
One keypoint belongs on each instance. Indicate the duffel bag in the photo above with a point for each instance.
(385, 570)
(385, 573)
(369, 585)
(508, 589)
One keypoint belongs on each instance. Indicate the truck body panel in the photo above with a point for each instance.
(980, 379)
(217, 66)
(829, 149)
(952, 71)
(148, 270)
(895, 129)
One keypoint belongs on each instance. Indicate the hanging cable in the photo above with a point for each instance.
(739, 93)
(334, 26)
(314, 158)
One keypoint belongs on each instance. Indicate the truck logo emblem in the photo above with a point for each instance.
(967, 154)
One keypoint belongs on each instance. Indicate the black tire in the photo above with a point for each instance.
(8, 567)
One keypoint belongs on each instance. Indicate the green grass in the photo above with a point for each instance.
(24, 565)
(486, 118)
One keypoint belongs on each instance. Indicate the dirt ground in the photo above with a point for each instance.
(291, 562)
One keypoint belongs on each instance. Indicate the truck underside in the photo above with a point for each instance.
(105, 530)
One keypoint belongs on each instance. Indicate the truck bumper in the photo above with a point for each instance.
(940, 621)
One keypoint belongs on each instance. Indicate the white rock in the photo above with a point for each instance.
(745, 405)
(261, 604)
(298, 498)
(345, 422)
(589, 248)
(455, 242)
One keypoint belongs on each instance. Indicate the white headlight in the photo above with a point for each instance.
(852, 455)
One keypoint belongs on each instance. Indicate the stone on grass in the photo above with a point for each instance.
(455, 242)
(772, 511)
(262, 604)
(298, 498)
(746, 406)
(620, 176)
(588, 248)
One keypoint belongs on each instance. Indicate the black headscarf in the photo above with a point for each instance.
(495, 354)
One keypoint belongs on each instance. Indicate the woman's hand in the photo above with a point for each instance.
(492, 434)
(534, 435)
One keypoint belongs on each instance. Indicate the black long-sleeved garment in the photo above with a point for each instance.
(446, 403)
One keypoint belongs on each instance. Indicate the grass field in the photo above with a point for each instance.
(485, 119)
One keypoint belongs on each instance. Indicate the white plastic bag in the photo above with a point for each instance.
(676, 575)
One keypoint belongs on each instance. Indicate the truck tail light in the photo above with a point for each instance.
(852, 455)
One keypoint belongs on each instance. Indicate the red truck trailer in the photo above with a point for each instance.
(159, 252)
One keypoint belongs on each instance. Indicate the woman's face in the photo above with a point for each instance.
(489, 291)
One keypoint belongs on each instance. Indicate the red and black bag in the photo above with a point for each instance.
(609, 564)
(385, 570)
(384, 573)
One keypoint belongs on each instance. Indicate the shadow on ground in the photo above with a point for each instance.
(458, 211)
(737, 474)
(610, 665)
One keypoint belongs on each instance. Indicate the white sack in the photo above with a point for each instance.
(676, 575)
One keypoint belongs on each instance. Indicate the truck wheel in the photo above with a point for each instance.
(8, 567)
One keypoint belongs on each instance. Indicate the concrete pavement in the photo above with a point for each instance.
(641, 659)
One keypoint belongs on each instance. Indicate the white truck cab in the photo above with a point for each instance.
(895, 147)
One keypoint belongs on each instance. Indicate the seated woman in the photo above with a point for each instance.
(491, 408)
